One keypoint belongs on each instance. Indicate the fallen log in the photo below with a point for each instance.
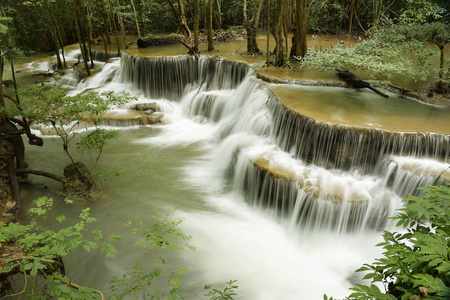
(354, 82)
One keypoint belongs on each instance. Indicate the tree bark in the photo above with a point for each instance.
(196, 26)
(58, 37)
(181, 19)
(251, 21)
(105, 21)
(281, 56)
(299, 46)
(209, 27)
(219, 10)
(136, 19)
(268, 35)
(441, 85)
(42, 173)
(80, 39)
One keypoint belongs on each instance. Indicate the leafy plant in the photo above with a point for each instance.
(400, 47)
(67, 116)
(164, 234)
(227, 294)
(52, 106)
(35, 251)
(416, 261)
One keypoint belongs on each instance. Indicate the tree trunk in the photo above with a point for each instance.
(122, 26)
(209, 27)
(205, 16)
(116, 37)
(219, 10)
(88, 32)
(58, 57)
(136, 20)
(299, 46)
(268, 35)
(183, 21)
(105, 21)
(80, 39)
(251, 21)
(441, 85)
(196, 26)
(281, 56)
(58, 38)
(181, 18)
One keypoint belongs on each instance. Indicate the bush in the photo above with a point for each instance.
(415, 263)
(325, 16)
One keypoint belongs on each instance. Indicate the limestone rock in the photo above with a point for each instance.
(153, 118)
(146, 106)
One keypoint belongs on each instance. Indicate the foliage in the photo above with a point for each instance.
(39, 251)
(160, 18)
(325, 16)
(416, 261)
(52, 106)
(421, 12)
(397, 50)
(383, 60)
(32, 25)
(227, 293)
(164, 234)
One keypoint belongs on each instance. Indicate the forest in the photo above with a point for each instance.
(394, 38)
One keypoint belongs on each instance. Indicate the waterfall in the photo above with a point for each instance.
(271, 196)
(335, 146)
(102, 55)
(167, 77)
(311, 174)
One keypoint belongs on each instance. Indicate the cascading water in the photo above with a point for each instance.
(290, 206)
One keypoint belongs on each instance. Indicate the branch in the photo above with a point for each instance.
(191, 50)
(48, 261)
(10, 98)
(77, 287)
(57, 263)
(42, 173)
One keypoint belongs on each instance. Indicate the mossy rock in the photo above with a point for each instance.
(80, 183)
(157, 40)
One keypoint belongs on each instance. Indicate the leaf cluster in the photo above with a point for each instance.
(227, 294)
(163, 234)
(42, 249)
(416, 261)
(52, 106)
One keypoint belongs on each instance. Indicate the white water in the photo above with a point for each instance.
(270, 256)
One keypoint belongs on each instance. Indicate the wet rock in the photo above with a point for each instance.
(8, 83)
(146, 106)
(80, 183)
(58, 73)
(155, 118)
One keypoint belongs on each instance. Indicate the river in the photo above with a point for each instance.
(297, 230)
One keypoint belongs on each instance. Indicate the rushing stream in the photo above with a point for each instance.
(285, 222)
